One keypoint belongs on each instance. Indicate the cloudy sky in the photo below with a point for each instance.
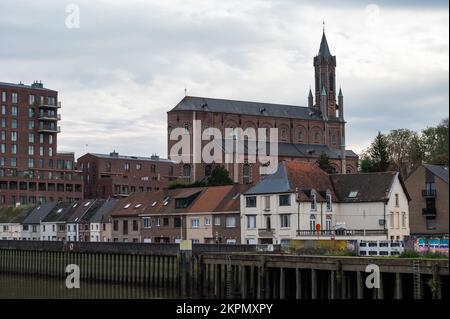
(129, 61)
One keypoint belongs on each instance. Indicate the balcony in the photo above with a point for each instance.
(429, 193)
(46, 117)
(342, 233)
(429, 211)
(50, 106)
(266, 232)
(49, 129)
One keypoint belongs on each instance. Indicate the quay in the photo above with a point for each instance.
(229, 271)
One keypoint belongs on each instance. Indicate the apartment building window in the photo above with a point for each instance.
(135, 225)
(41, 151)
(41, 138)
(14, 136)
(30, 163)
(312, 222)
(396, 200)
(285, 200)
(217, 221)
(14, 123)
(14, 111)
(30, 150)
(285, 221)
(3, 123)
(153, 168)
(31, 126)
(13, 149)
(431, 222)
(3, 136)
(230, 222)
(30, 138)
(116, 225)
(3, 97)
(138, 167)
(30, 112)
(126, 166)
(50, 139)
(3, 148)
(50, 151)
(170, 170)
(251, 221)
(250, 201)
(14, 98)
(195, 223)
(31, 100)
(267, 203)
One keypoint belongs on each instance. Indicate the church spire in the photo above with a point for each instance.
(324, 50)
(324, 92)
(310, 98)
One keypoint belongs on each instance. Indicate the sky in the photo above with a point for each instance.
(123, 65)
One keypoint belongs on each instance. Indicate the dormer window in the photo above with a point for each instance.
(126, 206)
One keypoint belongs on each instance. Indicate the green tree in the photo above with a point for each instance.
(378, 153)
(325, 164)
(405, 150)
(219, 176)
(435, 143)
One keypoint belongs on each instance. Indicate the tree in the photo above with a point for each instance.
(379, 155)
(435, 144)
(325, 164)
(405, 150)
(219, 176)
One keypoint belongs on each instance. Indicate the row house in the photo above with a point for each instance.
(300, 201)
(11, 219)
(100, 229)
(31, 225)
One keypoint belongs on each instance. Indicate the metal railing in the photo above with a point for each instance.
(343, 233)
(428, 211)
(428, 193)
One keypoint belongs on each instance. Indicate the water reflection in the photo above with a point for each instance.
(31, 287)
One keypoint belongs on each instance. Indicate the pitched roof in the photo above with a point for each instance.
(210, 198)
(17, 214)
(438, 170)
(231, 202)
(370, 187)
(39, 213)
(91, 211)
(311, 150)
(204, 104)
(61, 212)
(135, 204)
(292, 175)
(104, 210)
(81, 209)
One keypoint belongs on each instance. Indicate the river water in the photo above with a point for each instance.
(31, 287)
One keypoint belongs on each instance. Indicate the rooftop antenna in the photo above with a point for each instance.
(185, 91)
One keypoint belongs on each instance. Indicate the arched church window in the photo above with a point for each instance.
(246, 174)
(208, 170)
(186, 171)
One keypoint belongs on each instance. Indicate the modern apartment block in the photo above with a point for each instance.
(114, 175)
(31, 169)
(428, 186)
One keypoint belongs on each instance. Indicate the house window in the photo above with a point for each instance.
(217, 221)
(396, 200)
(125, 227)
(195, 223)
(207, 221)
(328, 223)
(177, 222)
(267, 203)
(313, 201)
(285, 221)
(391, 220)
(431, 223)
(251, 221)
(135, 225)
(231, 222)
(285, 200)
(250, 201)
(403, 220)
(158, 221)
(329, 207)
(268, 223)
(312, 222)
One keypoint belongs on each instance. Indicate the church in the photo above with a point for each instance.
(304, 132)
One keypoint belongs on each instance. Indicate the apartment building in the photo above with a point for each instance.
(429, 210)
(32, 170)
(114, 175)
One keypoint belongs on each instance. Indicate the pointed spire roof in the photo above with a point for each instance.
(324, 51)
(324, 92)
(310, 93)
(340, 92)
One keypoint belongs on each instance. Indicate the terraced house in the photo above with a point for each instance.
(300, 201)
(11, 219)
(31, 225)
